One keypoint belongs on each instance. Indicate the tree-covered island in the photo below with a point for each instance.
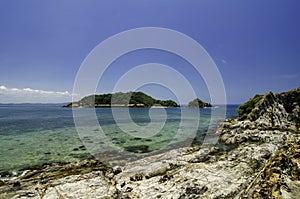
(130, 99)
(119, 99)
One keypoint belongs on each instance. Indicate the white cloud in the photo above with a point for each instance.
(3, 88)
(29, 95)
(224, 61)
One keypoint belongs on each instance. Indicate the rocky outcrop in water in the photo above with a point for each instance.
(261, 160)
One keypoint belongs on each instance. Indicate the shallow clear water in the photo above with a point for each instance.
(37, 134)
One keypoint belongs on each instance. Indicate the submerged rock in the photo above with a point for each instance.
(138, 149)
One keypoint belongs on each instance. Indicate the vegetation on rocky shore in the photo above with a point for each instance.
(247, 107)
(280, 110)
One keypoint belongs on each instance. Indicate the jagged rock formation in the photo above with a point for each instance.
(274, 119)
(261, 160)
(278, 111)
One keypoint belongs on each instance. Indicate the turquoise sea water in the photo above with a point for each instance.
(37, 134)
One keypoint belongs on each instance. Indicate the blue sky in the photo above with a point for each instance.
(255, 44)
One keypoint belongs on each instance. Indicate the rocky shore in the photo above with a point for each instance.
(263, 162)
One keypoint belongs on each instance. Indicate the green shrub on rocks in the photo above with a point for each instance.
(247, 107)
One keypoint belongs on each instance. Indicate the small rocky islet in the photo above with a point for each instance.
(261, 160)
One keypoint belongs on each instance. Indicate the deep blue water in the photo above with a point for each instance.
(33, 134)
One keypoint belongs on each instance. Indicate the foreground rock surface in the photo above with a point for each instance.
(263, 162)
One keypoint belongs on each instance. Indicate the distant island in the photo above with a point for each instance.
(130, 99)
(119, 99)
(197, 103)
